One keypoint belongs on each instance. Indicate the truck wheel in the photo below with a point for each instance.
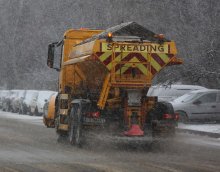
(75, 130)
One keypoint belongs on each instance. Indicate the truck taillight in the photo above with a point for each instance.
(167, 116)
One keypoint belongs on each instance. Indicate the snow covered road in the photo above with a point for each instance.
(37, 120)
(27, 145)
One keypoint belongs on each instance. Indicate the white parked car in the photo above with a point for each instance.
(31, 95)
(3, 95)
(7, 101)
(36, 105)
(17, 101)
(171, 92)
(200, 105)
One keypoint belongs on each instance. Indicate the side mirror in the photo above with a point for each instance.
(197, 102)
(50, 57)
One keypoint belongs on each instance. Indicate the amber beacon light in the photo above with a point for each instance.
(109, 37)
(109, 34)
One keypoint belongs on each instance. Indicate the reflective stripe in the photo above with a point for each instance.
(155, 64)
(164, 57)
(156, 60)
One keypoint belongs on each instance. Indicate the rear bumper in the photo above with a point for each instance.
(164, 125)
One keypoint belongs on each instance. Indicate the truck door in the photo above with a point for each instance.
(205, 107)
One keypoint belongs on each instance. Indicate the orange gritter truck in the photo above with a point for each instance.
(104, 77)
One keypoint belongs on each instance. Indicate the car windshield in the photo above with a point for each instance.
(187, 97)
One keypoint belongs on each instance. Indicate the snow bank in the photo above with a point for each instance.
(211, 128)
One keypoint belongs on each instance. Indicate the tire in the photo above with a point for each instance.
(75, 129)
(182, 116)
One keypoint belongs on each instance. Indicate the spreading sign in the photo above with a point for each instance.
(147, 48)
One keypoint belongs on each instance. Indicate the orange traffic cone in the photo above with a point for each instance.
(134, 131)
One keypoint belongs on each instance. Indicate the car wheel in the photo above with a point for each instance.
(182, 116)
